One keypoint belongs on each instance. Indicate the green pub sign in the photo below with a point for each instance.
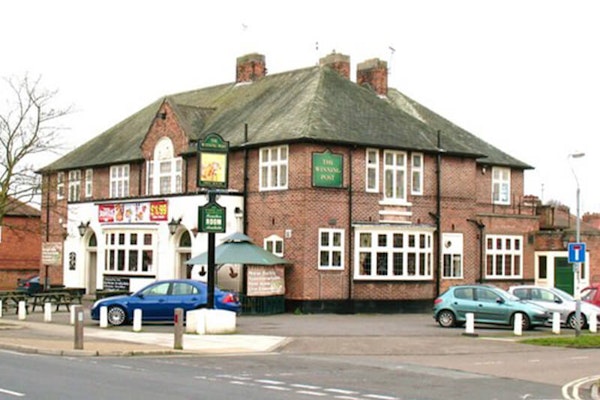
(327, 170)
(211, 218)
(213, 164)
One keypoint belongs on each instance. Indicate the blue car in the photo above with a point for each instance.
(159, 300)
(30, 285)
(488, 304)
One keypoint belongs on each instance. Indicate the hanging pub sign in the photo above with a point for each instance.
(211, 218)
(327, 170)
(213, 164)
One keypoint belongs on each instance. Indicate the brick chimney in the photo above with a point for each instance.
(373, 73)
(250, 68)
(338, 62)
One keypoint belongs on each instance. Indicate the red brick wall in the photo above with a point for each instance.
(20, 249)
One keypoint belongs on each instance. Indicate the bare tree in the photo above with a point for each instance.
(28, 128)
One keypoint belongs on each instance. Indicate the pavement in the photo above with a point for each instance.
(402, 334)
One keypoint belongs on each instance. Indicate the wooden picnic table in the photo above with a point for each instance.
(57, 298)
(11, 299)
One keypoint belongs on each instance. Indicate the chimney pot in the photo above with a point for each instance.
(373, 73)
(250, 68)
(338, 62)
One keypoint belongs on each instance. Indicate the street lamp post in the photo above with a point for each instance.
(577, 265)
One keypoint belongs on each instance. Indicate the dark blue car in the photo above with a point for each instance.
(159, 300)
(29, 285)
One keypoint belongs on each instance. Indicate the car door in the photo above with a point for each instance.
(464, 302)
(551, 302)
(186, 296)
(489, 309)
(153, 301)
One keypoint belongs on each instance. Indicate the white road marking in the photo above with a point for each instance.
(12, 393)
(340, 391)
(309, 393)
(301, 386)
(575, 385)
(281, 388)
(269, 382)
(379, 397)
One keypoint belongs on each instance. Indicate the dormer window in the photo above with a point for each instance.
(164, 170)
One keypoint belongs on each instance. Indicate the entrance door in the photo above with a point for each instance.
(91, 272)
(563, 274)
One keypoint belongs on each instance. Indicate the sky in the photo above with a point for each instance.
(523, 75)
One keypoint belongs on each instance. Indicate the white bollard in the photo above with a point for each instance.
(593, 322)
(470, 328)
(73, 316)
(137, 320)
(556, 322)
(22, 310)
(47, 312)
(103, 317)
(190, 321)
(518, 328)
(0, 308)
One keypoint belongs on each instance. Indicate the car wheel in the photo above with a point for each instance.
(572, 321)
(525, 321)
(116, 315)
(446, 319)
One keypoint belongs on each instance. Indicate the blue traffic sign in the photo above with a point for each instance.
(576, 252)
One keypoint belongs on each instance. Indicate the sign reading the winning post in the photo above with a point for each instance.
(327, 170)
(213, 152)
(211, 218)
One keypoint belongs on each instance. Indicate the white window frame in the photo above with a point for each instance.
(116, 251)
(273, 168)
(89, 182)
(372, 165)
(157, 176)
(274, 244)
(501, 185)
(452, 255)
(394, 174)
(416, 173)
(408, 254)
(119, 181)
(504, 256)
(331, 249)
(60, 185)
(164, 171)
(75, 185)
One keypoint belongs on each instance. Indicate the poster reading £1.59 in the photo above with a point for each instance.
(149, 211)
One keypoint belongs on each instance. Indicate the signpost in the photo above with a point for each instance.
(212, 173)
(576, 257)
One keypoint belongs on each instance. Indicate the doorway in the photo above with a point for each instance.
(563, 274)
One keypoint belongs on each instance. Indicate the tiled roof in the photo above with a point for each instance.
(16, 208)
(310, 104)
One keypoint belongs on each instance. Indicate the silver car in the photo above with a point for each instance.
(556, 300)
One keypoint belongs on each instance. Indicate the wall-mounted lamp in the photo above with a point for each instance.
(173, 225)
(483, 169)
(82, 228)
